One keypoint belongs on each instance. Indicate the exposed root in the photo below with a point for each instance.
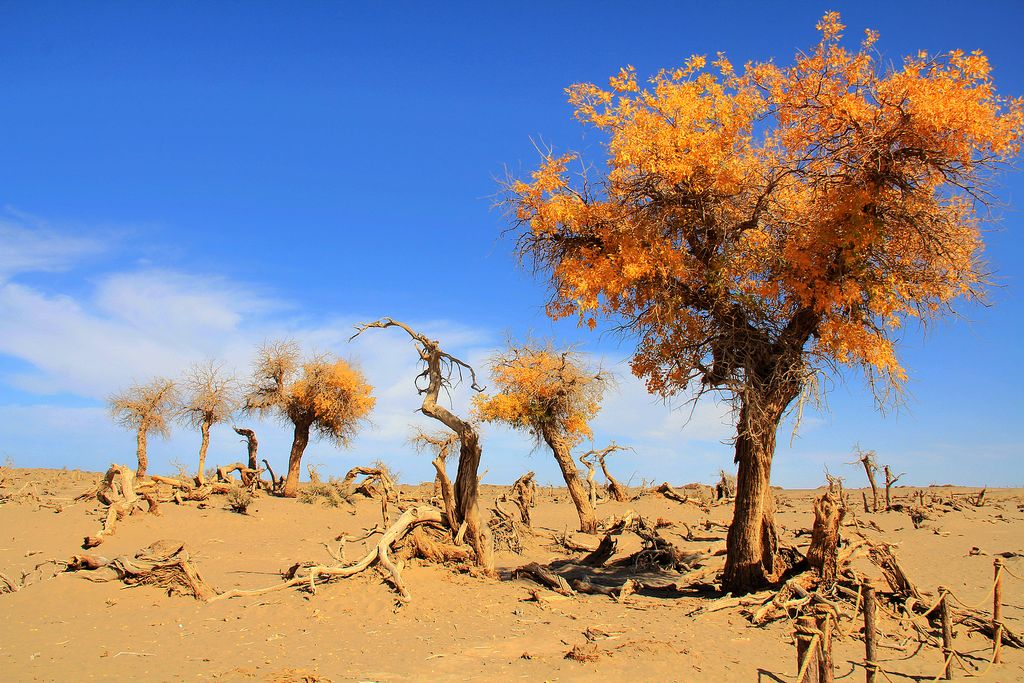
(379, 554)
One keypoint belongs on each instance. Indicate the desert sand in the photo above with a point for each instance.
(60, 626)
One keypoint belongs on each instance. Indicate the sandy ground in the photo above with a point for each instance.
(456, 627)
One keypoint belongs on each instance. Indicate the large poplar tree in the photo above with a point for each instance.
(755, 227)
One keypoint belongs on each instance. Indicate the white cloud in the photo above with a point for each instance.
(29, 245)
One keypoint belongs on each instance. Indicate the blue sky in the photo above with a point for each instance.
(184, 181)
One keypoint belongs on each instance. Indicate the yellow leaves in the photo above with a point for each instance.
(830, 26)
(625, 81)
(844, 205)
(541, 389)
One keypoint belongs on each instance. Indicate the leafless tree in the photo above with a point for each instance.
(210, 396)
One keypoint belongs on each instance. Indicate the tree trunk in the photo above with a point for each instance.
(299, 442)
(251, 444)
(560, 447)
(140, 452)
(467, 493)
(870, 467)
(443, 489)
(205, 429)
(752, 560)
(615, 490)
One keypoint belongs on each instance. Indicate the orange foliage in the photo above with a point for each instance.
(541, 389)
(324, 392)
(767, 221)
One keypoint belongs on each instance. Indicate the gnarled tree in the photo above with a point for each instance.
(552, 395)
(615, 490)
(755, 227)
(148, 409)
(323, 395)
(439, 370)
(209, 398)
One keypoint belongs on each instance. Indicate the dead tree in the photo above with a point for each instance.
(588, 461)
(829, 511)
(889, 481)
(439, 371)
(441, 444)
(867, 458)
(164, 564)
(251, 444)
(615, 490)
(122, 493)
(725, 489)
(524, 494)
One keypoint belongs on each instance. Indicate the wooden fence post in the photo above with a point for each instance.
(947, 633)
(869, 632)
(807, 659)
(997, 612)
(826, 670)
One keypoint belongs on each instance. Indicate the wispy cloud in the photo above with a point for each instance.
(31, 245)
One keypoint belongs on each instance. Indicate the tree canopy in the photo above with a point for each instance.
(807, 210)
(541, 389)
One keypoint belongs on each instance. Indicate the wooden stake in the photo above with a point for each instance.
(807, 659)
(997, 613)
(869, 632)
(825, 666)
(947, 633)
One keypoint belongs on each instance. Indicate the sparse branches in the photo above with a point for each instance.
(209, 396)
(147, 409)
(615, 489)
(322, 394)
(441, 370)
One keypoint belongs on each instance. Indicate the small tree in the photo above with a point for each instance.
(553, 396)
(148, 409)
(322, 394)
(209, 398)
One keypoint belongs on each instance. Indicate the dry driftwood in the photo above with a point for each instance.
(165, 564)
(118, 491)
(378, 555)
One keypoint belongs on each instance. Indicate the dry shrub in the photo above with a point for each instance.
(583, 653)
(332, 492)
(239, 499)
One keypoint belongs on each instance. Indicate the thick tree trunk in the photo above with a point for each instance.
(467, 493)
(299, 442)
(560, 447)
(140, 452)
(205, 429)
(752, 559)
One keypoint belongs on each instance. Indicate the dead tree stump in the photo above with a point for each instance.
(823, 554)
